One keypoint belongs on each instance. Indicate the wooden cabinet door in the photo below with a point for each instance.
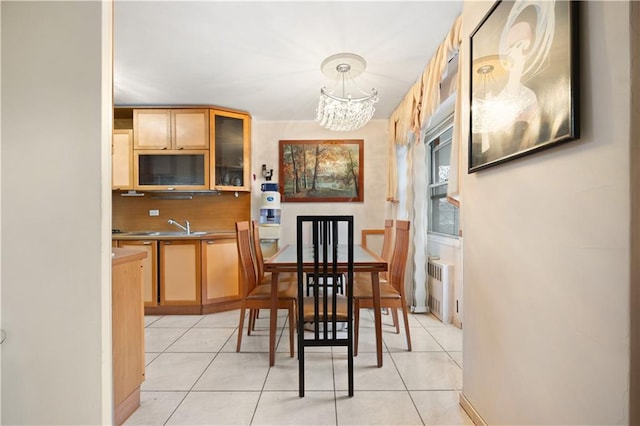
(180, 272)
(122, 159)
(190, 128)
(127, 331)
(230, 151)
(152, 129)
(149, 268)
(220, 280)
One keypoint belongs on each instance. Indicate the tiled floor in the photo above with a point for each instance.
(194, 376)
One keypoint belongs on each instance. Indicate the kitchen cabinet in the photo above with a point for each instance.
(220, 271)
(149, 267)
(180, 273)
(230, 150)
(127, 330)
(171, 129)
(121, 159)
(169, 170)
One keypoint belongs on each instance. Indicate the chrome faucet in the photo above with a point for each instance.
(186, 228)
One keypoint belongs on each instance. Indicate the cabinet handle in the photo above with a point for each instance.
(182, 147)
(164, 147)
(170, 189)
(166, 243)
(146, 243)
(210, 241)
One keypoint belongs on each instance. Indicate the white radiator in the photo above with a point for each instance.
(440, 294)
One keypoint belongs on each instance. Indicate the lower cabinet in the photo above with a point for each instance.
(149, 268)
(189, 276)
(180, 272)
(220, 271)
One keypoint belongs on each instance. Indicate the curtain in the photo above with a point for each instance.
(422, 99)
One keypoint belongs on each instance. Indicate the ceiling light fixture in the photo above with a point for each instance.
(345, 112)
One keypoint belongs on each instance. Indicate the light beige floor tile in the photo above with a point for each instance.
(220, 319)
(421, 340)
(155, 408)
(175, 371)
(366, 374)
(216, 408)
(159, 339)
(457, 357)
(150, 356)
(236, 372)
(150, 319)
(202, 340)
(257, 342)
(429, 320)
(376, 408)
(180, 321)
(440, 408)
(287, 408)
(318, 373)
(367, 340)
(428, 370)
(449, 337)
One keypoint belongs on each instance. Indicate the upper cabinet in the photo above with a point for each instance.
(230, 151)
(159, 149)
(172, 129)
(122, 159)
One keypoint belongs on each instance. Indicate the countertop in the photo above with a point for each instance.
(170, 235)
(125, 255)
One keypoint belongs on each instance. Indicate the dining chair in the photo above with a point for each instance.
(327, 311)
(392, 291)
(386, 250)
(313, 281)
(254, 296)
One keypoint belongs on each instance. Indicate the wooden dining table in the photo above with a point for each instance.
(285, 261)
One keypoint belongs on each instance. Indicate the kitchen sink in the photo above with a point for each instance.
(165, 233)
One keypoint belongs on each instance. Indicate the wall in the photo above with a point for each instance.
(547, 255)
(208, 212)
(368, 215)
(56, 256)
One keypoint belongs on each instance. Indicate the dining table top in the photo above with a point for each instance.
(286, 259)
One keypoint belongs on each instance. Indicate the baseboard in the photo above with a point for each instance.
(455, 321)
(471, 412)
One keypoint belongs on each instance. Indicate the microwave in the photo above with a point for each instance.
(166, 170)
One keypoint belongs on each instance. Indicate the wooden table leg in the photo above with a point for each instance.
(273, 318)
(377, 315)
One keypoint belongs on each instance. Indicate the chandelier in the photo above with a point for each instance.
(345, 112)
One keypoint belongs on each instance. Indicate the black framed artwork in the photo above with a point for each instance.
(524, 82)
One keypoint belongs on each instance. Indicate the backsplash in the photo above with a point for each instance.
(205, 212)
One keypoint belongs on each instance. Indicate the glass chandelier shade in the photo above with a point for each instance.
(345, 112)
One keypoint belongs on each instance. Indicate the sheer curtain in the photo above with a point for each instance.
(407, 181)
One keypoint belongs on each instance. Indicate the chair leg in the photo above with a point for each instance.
(406, 325)
(252, 321)
(242, 312)
(292, 320)
(356, 326)
(394, 315)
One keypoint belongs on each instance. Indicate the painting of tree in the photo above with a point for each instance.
(321, 170)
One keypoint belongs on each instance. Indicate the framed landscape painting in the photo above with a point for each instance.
(321, 170)
(524, 80)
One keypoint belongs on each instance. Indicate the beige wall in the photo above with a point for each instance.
(369, 214)
(547, 255)
(56, 255)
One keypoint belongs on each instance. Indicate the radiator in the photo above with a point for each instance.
(440, 293)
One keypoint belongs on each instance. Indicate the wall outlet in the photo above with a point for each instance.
(154, 212)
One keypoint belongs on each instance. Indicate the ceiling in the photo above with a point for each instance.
(264, 57)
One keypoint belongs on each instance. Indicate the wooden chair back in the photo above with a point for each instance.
(257, 250)
(399, 259)
(245, 257)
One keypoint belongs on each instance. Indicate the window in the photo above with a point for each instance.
(443, 216)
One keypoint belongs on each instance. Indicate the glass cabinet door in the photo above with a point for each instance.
(230, 150)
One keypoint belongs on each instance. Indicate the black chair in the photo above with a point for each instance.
(312, 279)
(325, 310)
